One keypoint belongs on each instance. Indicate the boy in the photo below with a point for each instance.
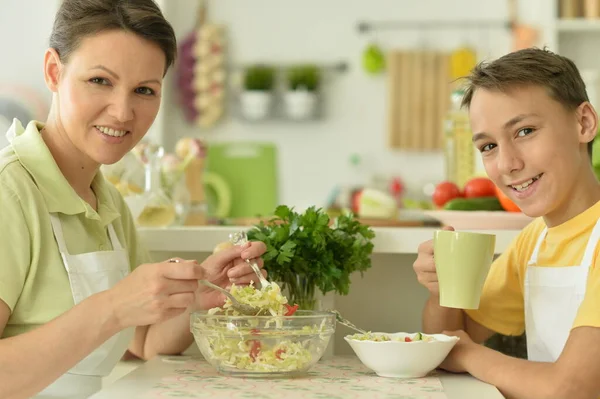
(534, 126)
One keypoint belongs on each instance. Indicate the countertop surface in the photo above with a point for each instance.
(333, 378)
(388, 240)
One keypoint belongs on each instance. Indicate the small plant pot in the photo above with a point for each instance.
(300, 105)
(256, 105)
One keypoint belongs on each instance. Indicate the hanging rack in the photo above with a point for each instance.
(366, 26)
(339, 67)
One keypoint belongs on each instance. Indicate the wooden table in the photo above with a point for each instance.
(334, 378)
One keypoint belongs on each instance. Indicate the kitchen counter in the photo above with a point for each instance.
(388, 240)
(390, 285)
(332, 378)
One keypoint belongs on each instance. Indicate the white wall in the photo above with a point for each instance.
(314, 156)
(25, 27)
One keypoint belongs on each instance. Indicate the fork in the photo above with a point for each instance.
(346, 322)
(241, 238)
(240, 307)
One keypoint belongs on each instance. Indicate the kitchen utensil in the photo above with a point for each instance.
(462, 262)
(417, 85)
(263, 346)
(399, 359)
(250, 171)
(480, 220)
(241, 238)
(346, 322)
(240, 307)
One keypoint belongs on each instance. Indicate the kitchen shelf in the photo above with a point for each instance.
(578, 25)
(388, 240)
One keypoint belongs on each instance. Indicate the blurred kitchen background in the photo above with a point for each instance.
(358, 95)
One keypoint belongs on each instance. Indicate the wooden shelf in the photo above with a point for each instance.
(578, 25)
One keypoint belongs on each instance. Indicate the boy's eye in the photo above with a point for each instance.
(487, 147)
(524, 132)
(145, 90)
(99, 81)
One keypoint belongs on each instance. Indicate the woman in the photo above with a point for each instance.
(72, 296)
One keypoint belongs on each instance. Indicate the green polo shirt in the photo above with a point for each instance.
(33, 279)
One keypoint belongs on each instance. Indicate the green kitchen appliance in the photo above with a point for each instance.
(250, 171)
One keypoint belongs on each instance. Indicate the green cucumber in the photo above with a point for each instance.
(474, 204)
(419, 337)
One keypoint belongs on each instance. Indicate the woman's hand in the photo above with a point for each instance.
(226, 267)
(155, 292)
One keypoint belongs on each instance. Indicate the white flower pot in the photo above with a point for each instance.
(300, 105)
(256, 105)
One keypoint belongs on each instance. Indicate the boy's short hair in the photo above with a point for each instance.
(532, 66)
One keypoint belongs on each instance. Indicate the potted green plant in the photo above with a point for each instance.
(306, 253)
(256, 97)
(301, 97)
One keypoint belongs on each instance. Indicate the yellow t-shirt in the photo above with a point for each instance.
(502, 302)
(33, 280)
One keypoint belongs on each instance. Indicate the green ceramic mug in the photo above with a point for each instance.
(462, 261)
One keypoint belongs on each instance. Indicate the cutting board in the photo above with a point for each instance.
(418, 99)
(250, 170)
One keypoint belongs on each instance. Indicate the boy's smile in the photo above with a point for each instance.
(533, 147)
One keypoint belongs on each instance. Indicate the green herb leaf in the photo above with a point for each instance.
(307, 247)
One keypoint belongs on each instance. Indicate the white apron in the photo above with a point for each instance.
(90, 273)
(552, 298)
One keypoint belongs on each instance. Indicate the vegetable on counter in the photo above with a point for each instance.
(506, 202)
(474, 204)
(478, 194)
(444, 192)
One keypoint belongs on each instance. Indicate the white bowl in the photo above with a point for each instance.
(398, 359)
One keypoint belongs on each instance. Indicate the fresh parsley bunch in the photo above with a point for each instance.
(306, 245)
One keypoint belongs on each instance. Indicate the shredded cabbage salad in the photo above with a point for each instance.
(268, 300)
(232, 346)
(387, 338)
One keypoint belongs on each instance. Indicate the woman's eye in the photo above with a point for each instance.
(99, 81)
(487, 147)
(145, 90)
(524, 132)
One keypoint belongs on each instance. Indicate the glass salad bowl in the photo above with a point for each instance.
(263, 346)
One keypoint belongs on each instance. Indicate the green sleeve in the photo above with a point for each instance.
(15, 247)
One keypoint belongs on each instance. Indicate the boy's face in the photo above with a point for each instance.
(532, 146)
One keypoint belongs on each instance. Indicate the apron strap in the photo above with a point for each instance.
(536, 250)
(591, 246)
(58, 233)
(114, 240)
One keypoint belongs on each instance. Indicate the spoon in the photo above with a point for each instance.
(346, 322)
(240, 239)
(243, 308)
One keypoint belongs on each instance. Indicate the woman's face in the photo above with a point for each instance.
(108, 94)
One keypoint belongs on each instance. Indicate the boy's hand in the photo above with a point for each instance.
(424, 266)
(455, 362)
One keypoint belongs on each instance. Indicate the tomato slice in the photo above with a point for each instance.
(290, 309)
(407, 339)
(254, 350)
(278, 353)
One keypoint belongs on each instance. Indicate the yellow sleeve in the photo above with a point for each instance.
(588, 314)
(15, 247)
(501, 307)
